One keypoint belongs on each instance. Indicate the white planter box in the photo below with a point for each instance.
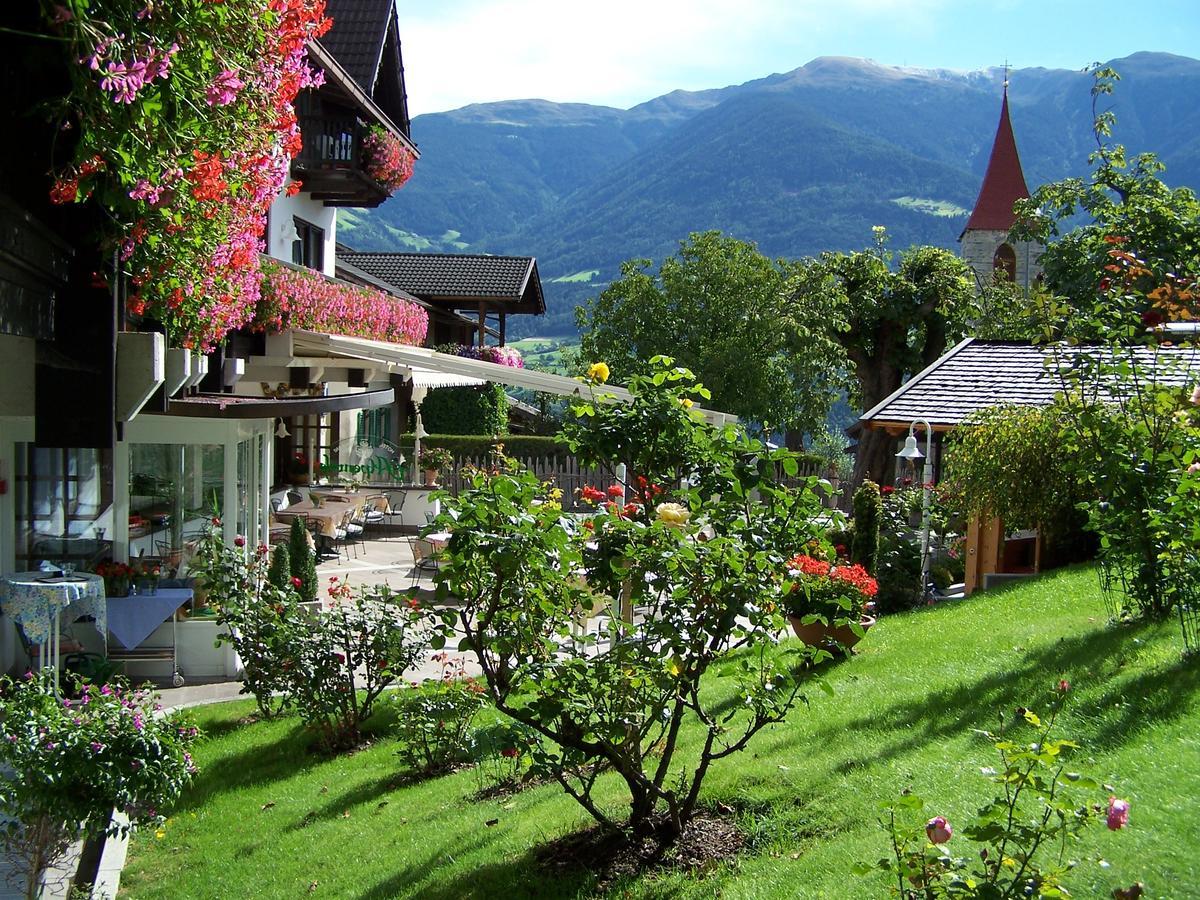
(196, 653)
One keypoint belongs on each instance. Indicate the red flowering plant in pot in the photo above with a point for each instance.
(829, 604)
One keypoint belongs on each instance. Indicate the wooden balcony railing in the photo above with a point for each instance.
(329, 141)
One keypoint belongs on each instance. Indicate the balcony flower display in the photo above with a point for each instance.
(501, 356)
(299, 298)
(386, 159)
(184, 129)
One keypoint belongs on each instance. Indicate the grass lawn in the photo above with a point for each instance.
(268, 819)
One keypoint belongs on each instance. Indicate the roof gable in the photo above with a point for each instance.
(1003, 183)
(365, 40)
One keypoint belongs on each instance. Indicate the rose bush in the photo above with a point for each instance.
(1021, 838)
(703, 582)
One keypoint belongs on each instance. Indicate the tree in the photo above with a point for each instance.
(718, 307)
(1124, 200)
(884, 321)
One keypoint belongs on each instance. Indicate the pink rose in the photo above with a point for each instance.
(1118, 814)
(1196, 395)
(938, 830)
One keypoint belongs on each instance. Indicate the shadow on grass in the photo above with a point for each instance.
(520, 877)
(1159, 694)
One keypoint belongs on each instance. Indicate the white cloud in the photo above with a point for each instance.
(624, 51)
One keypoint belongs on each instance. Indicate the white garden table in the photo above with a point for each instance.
(37, 600)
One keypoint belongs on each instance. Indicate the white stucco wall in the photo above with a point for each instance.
(303, 206)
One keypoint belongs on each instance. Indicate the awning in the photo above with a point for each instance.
(235, 406)
(415, 360)
(427, 378)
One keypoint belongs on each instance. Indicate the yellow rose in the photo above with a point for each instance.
(598, 372)
(685, 402)
(673, 514)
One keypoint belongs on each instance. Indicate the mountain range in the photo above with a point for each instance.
(798, 162)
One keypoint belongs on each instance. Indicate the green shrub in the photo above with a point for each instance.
(303, 560)
(433, 720)
(466, 410)
(280, 573)
(868, 511)
(77, 761)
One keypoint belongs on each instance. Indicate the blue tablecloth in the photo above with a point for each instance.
(133, 619)
(33, 598)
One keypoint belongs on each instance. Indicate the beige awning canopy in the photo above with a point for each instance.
(426, 366)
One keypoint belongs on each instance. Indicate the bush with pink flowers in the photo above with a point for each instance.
(67, 762)
(501, 356)
(299, 298)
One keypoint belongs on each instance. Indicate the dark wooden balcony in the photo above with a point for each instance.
(330, 161)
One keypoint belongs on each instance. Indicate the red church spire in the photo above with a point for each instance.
(1004, 182)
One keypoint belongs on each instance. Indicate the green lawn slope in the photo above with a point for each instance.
(268, 819)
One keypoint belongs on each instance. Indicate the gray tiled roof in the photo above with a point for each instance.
(972, 376)
(456, 277)
(357, 35)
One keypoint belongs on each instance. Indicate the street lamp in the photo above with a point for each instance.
(911, 453)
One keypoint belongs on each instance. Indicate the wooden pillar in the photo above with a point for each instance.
(482, 323)
(985, 544)
(502, 317)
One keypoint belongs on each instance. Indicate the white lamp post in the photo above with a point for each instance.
(912, 453)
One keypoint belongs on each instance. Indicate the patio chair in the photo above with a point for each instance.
(395, 506)
(294, 497)
(374, 512)
(349, 534)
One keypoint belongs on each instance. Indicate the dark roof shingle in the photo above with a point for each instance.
(977, 374)
(456, 277)
(356, 37)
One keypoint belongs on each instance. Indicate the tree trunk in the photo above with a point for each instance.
(875, 457)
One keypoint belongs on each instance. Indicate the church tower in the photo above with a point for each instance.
(985, 244)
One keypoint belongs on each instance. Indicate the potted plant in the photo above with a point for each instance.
(298, 468)
(117, 578)
(435, 461)
(146, 575)
(826, 598)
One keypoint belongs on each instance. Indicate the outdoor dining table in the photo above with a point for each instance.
(330, 513)
(37, 600)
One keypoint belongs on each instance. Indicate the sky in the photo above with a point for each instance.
(623, 52)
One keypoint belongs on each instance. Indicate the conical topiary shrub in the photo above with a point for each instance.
(303, 560)
(280, 573)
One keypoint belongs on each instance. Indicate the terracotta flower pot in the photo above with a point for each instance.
(818, 634)
(431, 477)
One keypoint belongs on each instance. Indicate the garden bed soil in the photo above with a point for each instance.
(706, 842)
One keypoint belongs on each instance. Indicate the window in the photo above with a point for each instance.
(63, 505)
(1005, 261)
(375, 426)
(308, 249)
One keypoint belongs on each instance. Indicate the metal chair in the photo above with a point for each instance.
(294, 497)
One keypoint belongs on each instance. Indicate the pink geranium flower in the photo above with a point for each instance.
(224, 88)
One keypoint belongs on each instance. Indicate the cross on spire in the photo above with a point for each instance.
(1006, 74)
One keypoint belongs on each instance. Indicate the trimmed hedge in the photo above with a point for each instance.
(523, 445)
(466, 410)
